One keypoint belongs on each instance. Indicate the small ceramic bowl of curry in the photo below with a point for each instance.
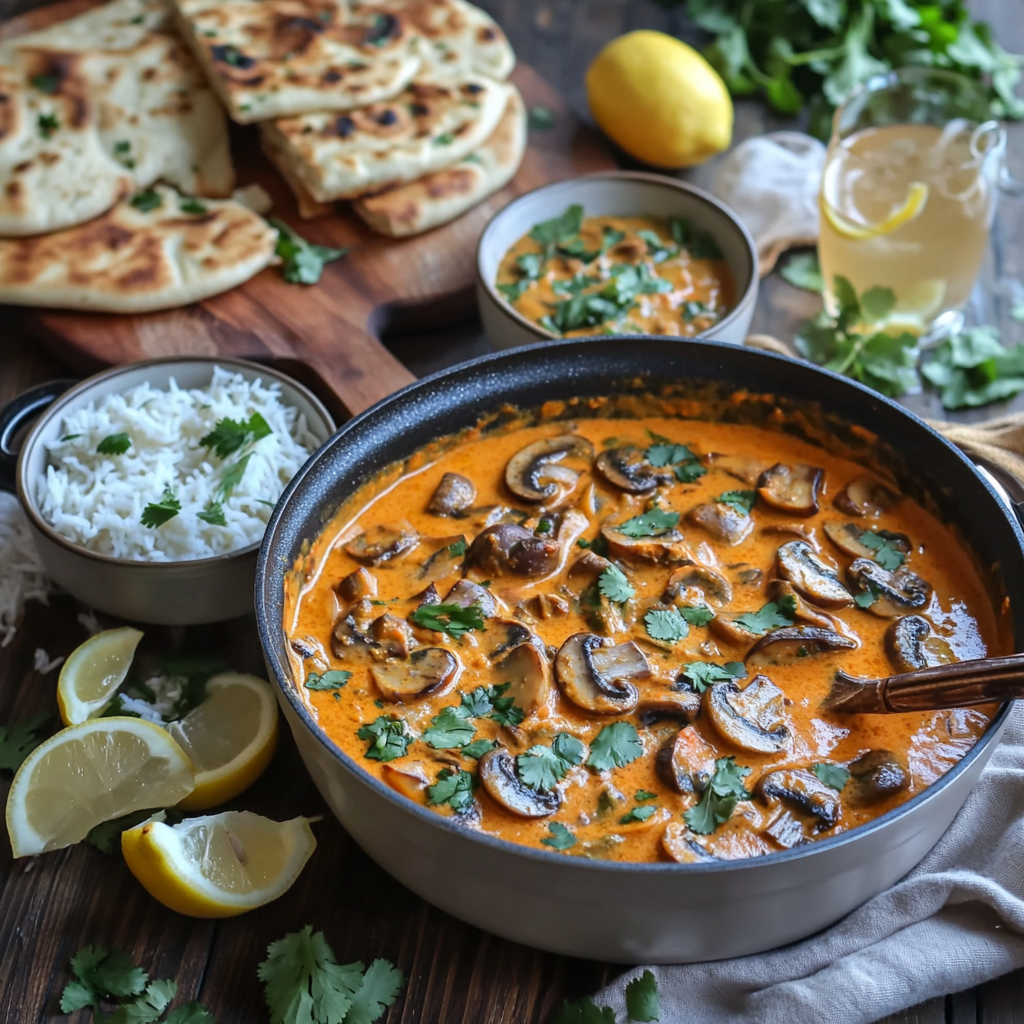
(621, 252)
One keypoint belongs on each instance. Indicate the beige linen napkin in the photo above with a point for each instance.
(955, 921)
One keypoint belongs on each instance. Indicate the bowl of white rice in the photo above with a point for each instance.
(148, 487)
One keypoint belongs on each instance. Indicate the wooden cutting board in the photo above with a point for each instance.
(330, 328)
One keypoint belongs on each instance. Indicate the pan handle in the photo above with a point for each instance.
(17, 413)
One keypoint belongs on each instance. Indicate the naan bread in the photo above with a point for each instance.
(98, 107)
(446, 194)
(431, 124)
(134, 260)
(277, 58)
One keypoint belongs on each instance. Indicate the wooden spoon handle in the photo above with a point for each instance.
(962, 684)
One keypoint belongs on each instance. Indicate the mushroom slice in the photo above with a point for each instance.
(804, 792)
(595, 675)
(408, 779)
(453, 497)
(466, 593)
(896, 592)
(739, 466)
(600, 613)
(752, 718)
(393, 635)
(847, 537)
(526, 668)
(713, 586)
(357, 585)
(347, 635)
(682, 845)
(803, 611)
(507, 548)
(628, 470)
(798, 530)
(791, 643)
(498, 776)
(792, 489)
(726, 627)
(865, 495)
(679, 705)
(382, 544)
(814, 578)
(586, 569)
(878, 774)
(425, 670)
(547, 606)
(913, 644)
(533, 472)
(512, 634)
(722, 520)
(686, 763)
(668, 548)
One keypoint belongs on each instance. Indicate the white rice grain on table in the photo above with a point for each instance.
(96, 500)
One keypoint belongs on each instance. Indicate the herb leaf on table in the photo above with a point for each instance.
(973, 368)
(19, 739)
(642, 1002)
(301, 261)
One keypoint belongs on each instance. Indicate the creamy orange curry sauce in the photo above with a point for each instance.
(618, 275)
(613, 637)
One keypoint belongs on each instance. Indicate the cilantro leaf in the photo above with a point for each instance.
(650, 524)
(19, 739)
(332, 680)
(114, 444)
(232, 476)
(452, 619)
(702, 674)
(503, 710)
(614, 585)
(584, 1011)
(973, 368)
(453, 787)
(213, 513)
(47, 124)
(616, 746)
(106, 836)
(540, 119)
(698, 615)
(147, 201)
(666, 624)
(803, 270)
(542, 768)
(192, 206)
(644, 794)
(450, 730)
(478, 749)
(774, 615)
(700, 244)
(191, 1013)
(637, 814)
(301, 261)
(229, 435)
(886, 554)
(47, 83)
(687, 472)
(149, 1006)
(868, 597)
(388, 738)
(742, 501)
(835, 776)
(724, 789)
(656, 248)
(378, 990)
(560, 839)
(156, 513)
(550, 233)
(642, 1002)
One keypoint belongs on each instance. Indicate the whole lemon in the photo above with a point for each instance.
(660, 100)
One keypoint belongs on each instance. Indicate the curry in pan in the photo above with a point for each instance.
(612, 637)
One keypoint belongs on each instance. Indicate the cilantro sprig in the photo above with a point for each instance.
(666, 624)
(542, 768)
(229, 436)
(301, 261)
(742, 501)
(156, 513)
(388, 737)
(452, 619)
(886, 553)
(335, 679)
(614, 585)
(702, 674)
(724, 790)
(973, 368)
(452, 729)
(684, 463)
(773, 615)
(615, 746)
(454, 787)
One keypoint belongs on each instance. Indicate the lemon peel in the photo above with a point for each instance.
(917, 196)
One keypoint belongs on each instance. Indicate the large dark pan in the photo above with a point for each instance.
(615, 911)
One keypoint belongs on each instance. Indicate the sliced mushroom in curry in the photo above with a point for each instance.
(584, 624)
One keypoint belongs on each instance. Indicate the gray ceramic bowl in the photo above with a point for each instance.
(181, 593)
(621, 194)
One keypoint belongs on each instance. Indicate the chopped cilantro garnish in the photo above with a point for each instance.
(301, 261)
(47, 124)
(699, 615)
(478, 749)
(637, 814)
(563, 229)
(644, 794)
(213, 514)
(684, 463)
(490, 702)
(388, 738)
(445, 139)
(869, 597)
(650, 524)
(614, 585)
(742, 501)
(886, 553)
(453, 787)
(700, 244)
(774, 615)
(723, 791)
(192, 206)
(835, 776)
(332, 680)
(450, 730)
(616, 746)
(452, 619)
(656, 248)
(542, 768)
(560, 839)
(45, 83)
(460, 547)
(114, 444)
(702, 674)
(228, 435)
(156, 513)
(666, 624)
(146, 201)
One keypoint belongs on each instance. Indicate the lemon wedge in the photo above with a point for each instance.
(219, 865)
(93, 672)
(230, 738)
(917, 196)
(89, 773)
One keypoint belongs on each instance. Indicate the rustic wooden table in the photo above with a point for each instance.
(456, 975)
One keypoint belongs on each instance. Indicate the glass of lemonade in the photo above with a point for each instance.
(908, 195)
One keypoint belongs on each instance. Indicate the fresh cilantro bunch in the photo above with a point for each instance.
(885, 362)
(813, 53)
(304, 984)
(973, 368)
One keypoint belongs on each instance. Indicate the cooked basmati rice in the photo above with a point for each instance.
(97, 500)
(22, 576)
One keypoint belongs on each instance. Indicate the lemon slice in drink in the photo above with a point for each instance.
(93, 672)
(219, 865)
(89, 773)
(917, 196)
(230, 738)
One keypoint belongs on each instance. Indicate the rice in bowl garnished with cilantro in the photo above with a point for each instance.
(164, 476)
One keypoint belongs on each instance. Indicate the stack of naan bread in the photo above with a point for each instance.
(116, 179)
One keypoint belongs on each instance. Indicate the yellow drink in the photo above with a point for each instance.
(908, 207)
